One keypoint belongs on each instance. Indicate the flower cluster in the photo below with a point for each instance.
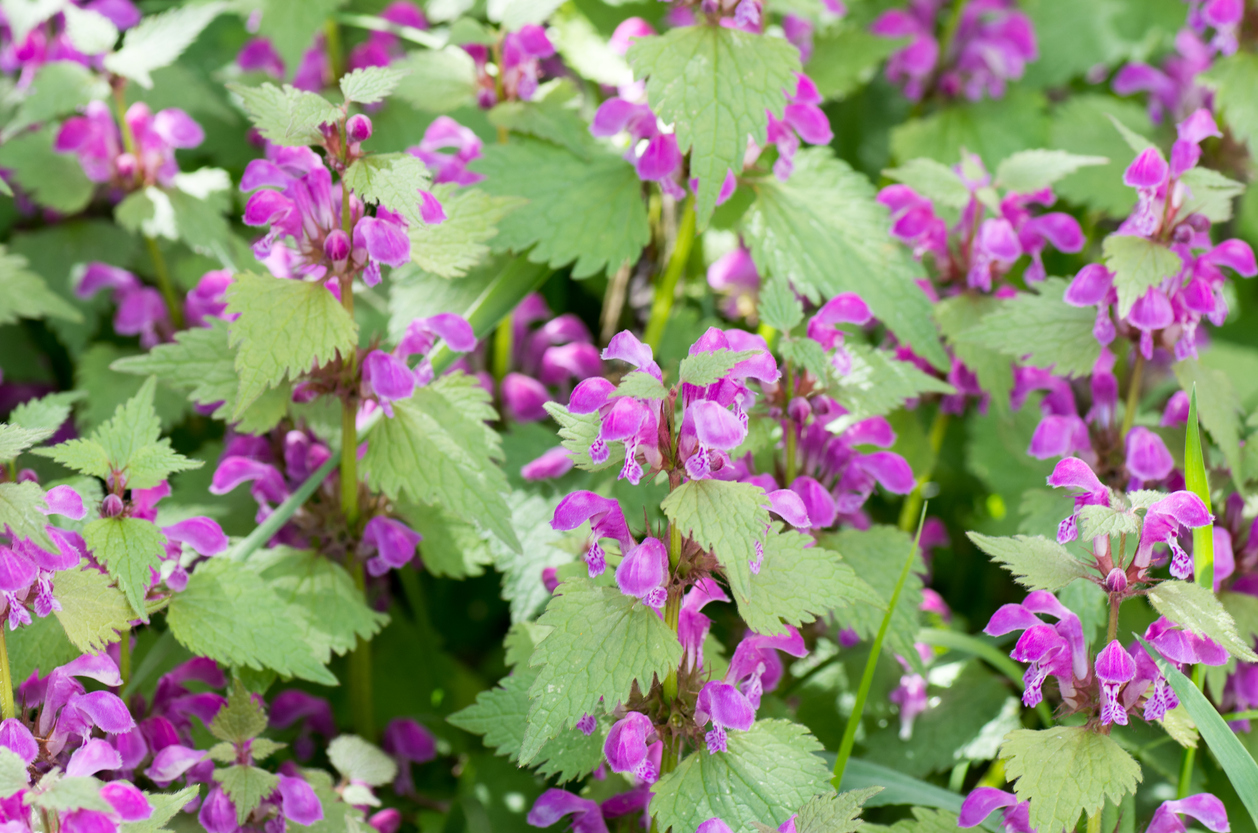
(148, 158)
(553, 356)
(49, 41)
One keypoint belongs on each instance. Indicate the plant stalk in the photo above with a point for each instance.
(871, 664)
(8, 708)
(124, 658)
(666, 290)
(1133, 396)
(913, 503)
(164, 284)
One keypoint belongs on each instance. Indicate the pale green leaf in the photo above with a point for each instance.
(23, 294)
(1028, 171)
(89, 32)
(437, 449)
(438, 80)
(1234, 79)
(158, 40)
(766, 775)
(13, 775)
(1067, 771)
(642, 385)
(1195, 608)
(21, 510)
(460, 242)
(1102, 521)
(589, 211)
(371, 85)
(393, 180)
(450, 546)
(822, 231)
(65, 794)
(1082, 124)
(717, 87)
(129, 548)
(54, 180)
(540, 547)
(43, 645)
(726, 519)
(1137, 263)
(286, 328)
(227, 614)
(1210, 194)
(992, 128)
(241, 720)
(59, 88)
(246, 786)
(708, 367)
(601, 645)
(93, 612)
(287, 116)
(847, 58)
(359, 760)
(878, 383)
(513, 14)
(1218, 405)
(46, 414)
(933, 180)
(291, 25)
(1041, 330)
(586, 50)
(577, 432)
(834, 813)
(779, 308)
(14, 439)
(165, 807)
(1036, 563)
(552, 114)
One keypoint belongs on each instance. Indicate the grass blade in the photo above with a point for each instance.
(1196, 482)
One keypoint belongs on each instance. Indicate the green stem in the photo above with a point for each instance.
(164, 284)
(349, 463)
(360, 695)
(666, 290)
(1111, 632)
(124, 658)
(1094, 822)
(1133, 396)
(332, 38)
(7, 707)
(913, 503)
(871, 664)
(1252, 714)
(504, 345)
(1190, 753)
(672, 610)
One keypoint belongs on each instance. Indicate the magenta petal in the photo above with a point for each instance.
(173, 761)
(1184, 507)
(626, 744)
(1235, 254)
(1060, 229)
(790, 507)
(844, 308)
(105, 710)
(178, 128)
(458, 334)
(590, 395)
(17, 571)
(299, 802)
(387, 376)
(714, 825)
(1137, 77)
(410, 740)
(385, 241)
(626, 347)
(394, 540)
(1148, 170)
(233, 471)
(524, 398)
(1147, 456)
(92, 757)
(87, 821)
(218, 813)
(660, 160)
(128, 802)
(890, 470)
(981, 803)
(717, 427)
(1076, 474)
(1114, 664)
(818, 501)
(726, 706)
(554, 463)
(644, 568)
(97, 667)
(613, 115)
(1197, 127)
(1090, 286)
(17, 738)
(997, 238)
(63, 500)
(202, 534)
(1009, 618)
(267, 207)
(554, 804)
(430, 209)
(100, 276)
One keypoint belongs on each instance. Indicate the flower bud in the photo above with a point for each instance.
(1116, 581)
(336, 246)
(111, 506)
(358, 128)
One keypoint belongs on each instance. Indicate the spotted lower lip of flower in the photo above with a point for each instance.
(725, 707)
(643, 573)
(606, 521)
(1161, 525)
(1114, 668)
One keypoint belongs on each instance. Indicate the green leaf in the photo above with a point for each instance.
(15, 439)
(437, 80)
(824, 233)
(1137, 264)
(1210, 194)
(552, 114)
(130, 548)
(242, 719)
(1034, 170)
(933, 180)
(89, 32)
(437, 449)
(513, 14)
(13, 775)
(577, 432)
(451, 546)
(847, 59)
(1198, 482)
(359, 760)
(877, 555)
(44, 415)
(1234, 79)
(23, 294)
(459, 243)
(93, 612)
(165, 807)
(726, 519)
(878, 383)
(1065, 771)
(1227, 748)
(60, 87)
(335, 613)
(602, 643)
(69, 793)
(1036, 563)
(227, 614)
(285, 329)
(799, 582)
(897, 788)
(540, 547)
(809, 355)
(1082, 124)
(586, 50)
(717, 86)
(43, 645)
(1196, 609)
(21, 510)
(589, 211)
(642, 385)
(158, 41)
(834, 813)
(393, 180)
(1218, 406)
(371, 85)
(291, 25)
(287, 116)
(994, 129)
(499, 715)
(1102, 521)
(779, 308)
(703, 369)
(246, 786)
(767, 774)
(1040, 329)
(52, 179)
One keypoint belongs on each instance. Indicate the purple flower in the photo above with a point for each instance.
(802, 119)
(844, 308)
(692, 625)
(983, 801)
(756, 668)
(522, 52)
(393, 542)
(446, 134)
(554, 804)
(1203, 807)
(208, 299)
(643, 573)
(1073, 473)
(716, 429)
(387, 379)
(140, 309)
(95, 139)
(910, 696)
(725, 707)
(606, 521)
(629, 748)
(298, 801)
(1161, 526)
(382, 48)
(259, 55)
(735, 277)
(1058, 650)
(552, 464)
(524, 398)
(654, 154)
(1114, 668)
(409, 742)
(1147, 457)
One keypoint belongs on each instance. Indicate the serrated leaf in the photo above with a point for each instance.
(93, 612)
(246, 786)
(1218, 405)
(285, 329)
(165, 807)
(44, 415)
(451, 546)
(226, 614)
(359, 760)
(15, 439)
(438, 80)
(158, 41)
(601, 644)
(60, 87)
(726, 519)
(1196, 609)
(577, 432)
(799, 582)
(1036, 563)
(89, 32)
(1065, 771)
(130, 548)
(589, 211)
(768, 773)
(552, 114)
(69, 793)
(54, 180)
(879, 383)
(1040, 329)
(43, 645)
(1144, 498)
(708, 367)
(23, 294)
(371, 85)
(586, 50)
(1234, 79)
(540, 547)
(459, 243)
(13, 775)
(1028, 171)
(393, 180)
(992, 128)
(21, 510)
(822, 231)
(933, 180)
(242, 719)
(1102, 521)
(807, 354)
(640, 385)
(1137, 264)
(333, 608)
(1081, 124)
(437, 449)
(286, 116)
(834, 813)
(779, 308)
(1210, 194)
(717, 86)
(291, 25)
